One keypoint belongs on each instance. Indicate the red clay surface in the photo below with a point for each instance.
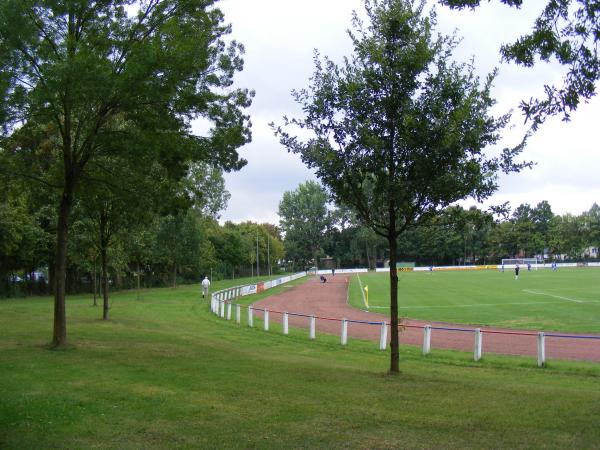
(328, 303)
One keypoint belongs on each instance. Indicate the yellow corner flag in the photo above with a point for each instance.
(367, 295)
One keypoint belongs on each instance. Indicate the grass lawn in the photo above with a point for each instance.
(166, 373)
(565, 300)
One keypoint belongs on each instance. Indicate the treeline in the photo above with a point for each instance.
(456, 236)
(162, 251)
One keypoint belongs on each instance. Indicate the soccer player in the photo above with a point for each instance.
(516, 272)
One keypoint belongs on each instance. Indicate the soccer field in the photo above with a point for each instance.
(565, 300)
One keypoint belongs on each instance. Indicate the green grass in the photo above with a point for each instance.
(565, 300)
(166, 373)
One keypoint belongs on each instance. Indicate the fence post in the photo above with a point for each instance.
(212, 303)
(312, 327)
(238, 313)
(426, 339)
(383, 336)
(266, 311)
(344, 331)
(541, 349)
(478, 344)
(250, 316)
(223, 308)
(216, 305)
(285, 323)
(228, 311)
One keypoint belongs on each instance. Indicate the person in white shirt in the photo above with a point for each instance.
(205, 286)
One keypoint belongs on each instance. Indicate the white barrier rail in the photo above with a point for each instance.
(228, 294)
(224, 297)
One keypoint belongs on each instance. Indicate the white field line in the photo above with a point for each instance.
(466, 305)
(362, 291)
(555, 296)
(479, 305)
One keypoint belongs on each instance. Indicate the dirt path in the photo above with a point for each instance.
(328, 302)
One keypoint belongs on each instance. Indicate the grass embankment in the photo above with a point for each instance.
(165, 373)
(567, 300)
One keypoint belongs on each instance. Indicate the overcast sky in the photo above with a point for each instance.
(280, 37)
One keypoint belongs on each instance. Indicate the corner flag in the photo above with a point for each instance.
(367, 295)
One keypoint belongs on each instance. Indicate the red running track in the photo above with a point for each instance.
(328, 302)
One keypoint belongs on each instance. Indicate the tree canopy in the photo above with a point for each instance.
(108, 82)
(567, 31)
(304, 221)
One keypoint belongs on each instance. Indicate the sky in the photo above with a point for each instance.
(280, 37)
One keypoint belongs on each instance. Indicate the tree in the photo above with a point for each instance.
(108, 83)
(22, 240)
(304, 220)
(349, 242)
(138, 247)
(229, 245)
(182, 247)
(206, 185)
(527, 239)
(542, 216)
(568, 235)
(274, 252)
(399, 130)
(83, 249)
(592, 218)
(567, 30)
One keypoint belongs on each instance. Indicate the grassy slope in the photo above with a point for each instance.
(492, 298)
(164, 373)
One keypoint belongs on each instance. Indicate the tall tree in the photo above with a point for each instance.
(569, 235)
(101, 76)
(525, 236)
(233, 251)
(567, 31)
(182, 247)
(399, 129)
(592, 218)
(206, 186)
(304, 219)
(542, 216)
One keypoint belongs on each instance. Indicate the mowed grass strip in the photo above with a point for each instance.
(165, 373)
(567, 300)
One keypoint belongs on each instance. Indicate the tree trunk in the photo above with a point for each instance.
(104, 241)
(59, 337)
(138, 280)
(95, 281)
(394, 329)
(174, 275)
(104, 283)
